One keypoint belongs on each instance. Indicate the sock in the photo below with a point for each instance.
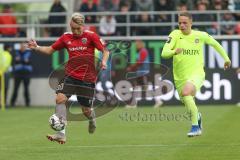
(92, 115)
(62, 132)
(61, 111)
(191, 108)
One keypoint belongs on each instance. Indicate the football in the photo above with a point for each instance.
(56, 123)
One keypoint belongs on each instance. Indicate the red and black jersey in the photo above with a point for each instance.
(81, 63)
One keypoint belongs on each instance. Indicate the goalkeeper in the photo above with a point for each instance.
(186, 47)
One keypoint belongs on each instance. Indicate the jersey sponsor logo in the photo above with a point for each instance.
(169, 40)
(84, 40)
(77, 48)
(190, 52)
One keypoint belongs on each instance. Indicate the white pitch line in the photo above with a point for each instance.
(119, 146)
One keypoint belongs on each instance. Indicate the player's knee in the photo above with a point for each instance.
(186, 93)
(61, 98)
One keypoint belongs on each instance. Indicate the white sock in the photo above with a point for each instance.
(92, 115)
(62, 131)
(61, 111)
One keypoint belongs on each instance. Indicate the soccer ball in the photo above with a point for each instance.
(56, 123)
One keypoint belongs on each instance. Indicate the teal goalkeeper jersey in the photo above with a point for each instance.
(190, 62)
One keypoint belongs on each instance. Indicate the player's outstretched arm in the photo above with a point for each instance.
(223, 53)
(212, 42)
(104, 59)
(32, 44)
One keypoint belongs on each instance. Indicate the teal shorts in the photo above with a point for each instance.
(196, 81)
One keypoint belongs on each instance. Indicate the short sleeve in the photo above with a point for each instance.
(97, 42)
(59, 44)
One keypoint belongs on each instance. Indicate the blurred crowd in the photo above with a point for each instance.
(117, 25)
(109, 25)
(16, 56)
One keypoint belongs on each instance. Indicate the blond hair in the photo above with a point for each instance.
(186, 14)
(78, 18)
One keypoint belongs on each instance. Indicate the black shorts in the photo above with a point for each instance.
(84, 91)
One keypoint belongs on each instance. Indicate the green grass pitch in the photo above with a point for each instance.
(23, 136)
